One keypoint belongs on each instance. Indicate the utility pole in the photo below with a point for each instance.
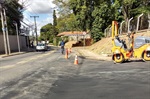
(18, 41)
(6, 29)
(3, 29)
(35, 27)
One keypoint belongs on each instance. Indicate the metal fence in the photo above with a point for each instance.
(137, 23)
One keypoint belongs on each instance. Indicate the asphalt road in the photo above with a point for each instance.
(51, 76)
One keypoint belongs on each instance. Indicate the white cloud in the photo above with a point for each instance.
(38, 6)
(50, 18)
(42, 23)
(39, 23)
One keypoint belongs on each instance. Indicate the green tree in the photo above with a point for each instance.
(96, 15)
(132, 8)
(14, 14)
(83, 12)
(55, 30)
(101, 21)
(93, 15)
(67, 23)
(142, 6)
(63, 7)
(46, 32)
(67, 20)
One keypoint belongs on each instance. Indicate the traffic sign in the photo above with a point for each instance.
(84, 33)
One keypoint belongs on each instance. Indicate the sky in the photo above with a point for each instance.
(42, 8)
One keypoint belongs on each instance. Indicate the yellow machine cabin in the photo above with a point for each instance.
(142, 48)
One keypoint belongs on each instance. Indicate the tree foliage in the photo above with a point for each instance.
(63, 7)
(67, 23)
(91, 15)
(13, 13)
(101, 21)
(55, 30)
(133, 8)
(96, 15)
(83, 12)
(46, 32)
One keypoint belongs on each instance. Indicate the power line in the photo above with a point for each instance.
(25, 24)
(35, 27)
(28, 20)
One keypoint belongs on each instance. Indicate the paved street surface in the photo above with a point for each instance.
(48, 75)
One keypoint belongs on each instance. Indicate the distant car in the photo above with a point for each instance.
(41, 47)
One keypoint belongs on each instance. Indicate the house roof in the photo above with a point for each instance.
(71, 33)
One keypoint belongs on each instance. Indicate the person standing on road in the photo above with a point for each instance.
(62, 44)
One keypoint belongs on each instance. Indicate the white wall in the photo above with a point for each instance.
(1, 43)
(13, 43)
(80, 37)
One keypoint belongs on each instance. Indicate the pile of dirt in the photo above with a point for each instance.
(104, 46)
(69, 44)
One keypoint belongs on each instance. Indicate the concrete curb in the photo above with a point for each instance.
(13, 54)
(18, 53)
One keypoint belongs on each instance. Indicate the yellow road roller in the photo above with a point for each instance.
(139, 47)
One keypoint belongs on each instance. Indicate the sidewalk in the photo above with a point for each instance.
(91, 55)
(26, 50)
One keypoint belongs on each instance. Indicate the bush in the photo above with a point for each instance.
(56, 41)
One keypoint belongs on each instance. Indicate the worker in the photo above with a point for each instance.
(62, 44)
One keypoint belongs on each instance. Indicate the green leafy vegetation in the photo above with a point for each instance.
(96, 15)
(14, 15)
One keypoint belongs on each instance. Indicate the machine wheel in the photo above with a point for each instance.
(146, 56)
(118, 58)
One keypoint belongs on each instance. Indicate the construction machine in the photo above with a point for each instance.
(138, 48)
